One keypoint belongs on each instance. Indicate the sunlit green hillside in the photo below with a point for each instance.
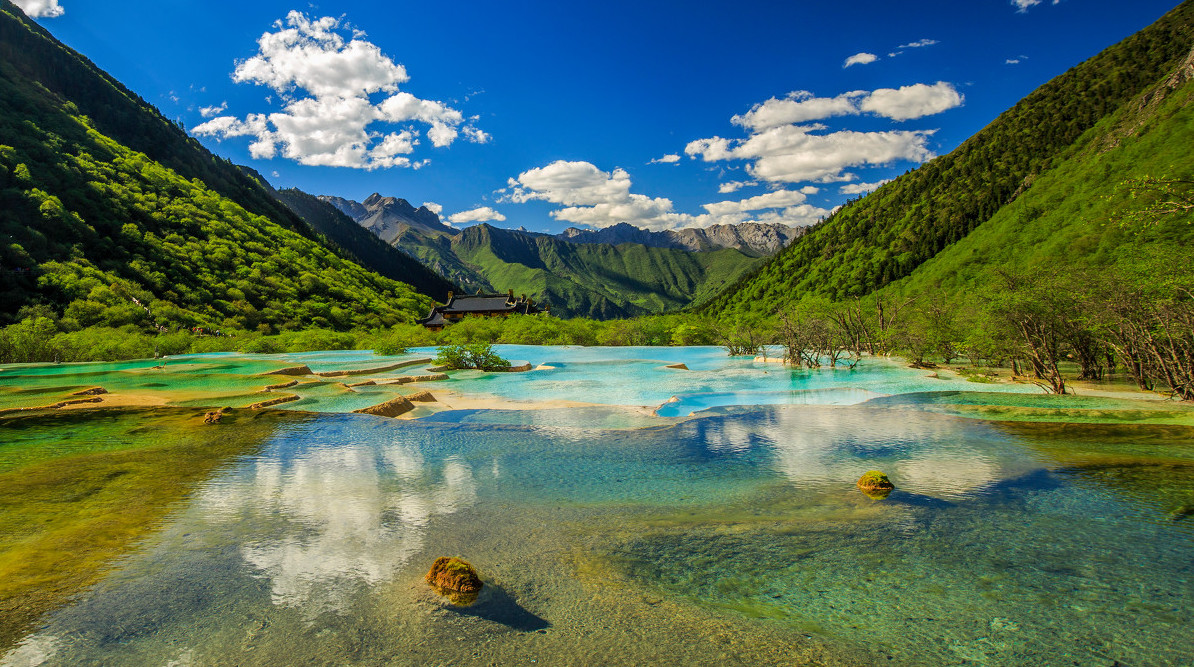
(110, 215)
(886, 235)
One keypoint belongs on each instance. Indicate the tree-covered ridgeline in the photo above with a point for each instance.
(885, 236)
(94, 233)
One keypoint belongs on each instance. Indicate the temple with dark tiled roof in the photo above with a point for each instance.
(479, 305)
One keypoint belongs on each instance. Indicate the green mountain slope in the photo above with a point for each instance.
(889, 233)
(601, 281)
(1079, 215)
(99, 232)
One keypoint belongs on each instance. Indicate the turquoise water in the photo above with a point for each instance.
(639, 376)
(609, 535)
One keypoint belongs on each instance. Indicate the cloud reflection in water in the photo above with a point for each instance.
(339, 517)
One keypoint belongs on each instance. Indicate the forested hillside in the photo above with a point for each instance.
(886, 235)
(597, 280)
(111, 216)
(578, 279)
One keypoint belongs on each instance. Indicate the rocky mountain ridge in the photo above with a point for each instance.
(388, 217)
(750, 237)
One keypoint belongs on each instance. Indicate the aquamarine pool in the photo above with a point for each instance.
(607, 535)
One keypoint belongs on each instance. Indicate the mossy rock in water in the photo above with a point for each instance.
(455, 579)
(875, 484)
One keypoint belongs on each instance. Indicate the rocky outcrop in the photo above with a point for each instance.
(94, 391)
(455, 579)
(679, 367)
(391, 408)
(388, 217)
(215, 416)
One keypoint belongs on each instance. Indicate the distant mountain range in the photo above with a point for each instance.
(749, 237)
(620, 271)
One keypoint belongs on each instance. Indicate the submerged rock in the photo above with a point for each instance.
(215, 416)
(455, 579)
(94, 391)
(1182, 512)
(875, 484)
(291, 370)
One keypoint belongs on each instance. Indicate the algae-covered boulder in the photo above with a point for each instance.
(455, 579)
(875, 484)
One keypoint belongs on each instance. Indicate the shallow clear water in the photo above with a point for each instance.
(608, 535)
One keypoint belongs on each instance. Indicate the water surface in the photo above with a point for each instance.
(606, 534)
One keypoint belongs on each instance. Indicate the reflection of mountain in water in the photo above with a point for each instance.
(341, 517)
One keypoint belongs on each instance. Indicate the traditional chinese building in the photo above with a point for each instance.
(479, 305)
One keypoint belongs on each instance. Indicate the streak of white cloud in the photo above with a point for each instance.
(863, 58)
(1023, 5)
(480, 214)
(918, 44)
(801, 106)
(40, 9)
(734, 186)
(670, 158)
(325, 79)
(862, 188)
(208, 112)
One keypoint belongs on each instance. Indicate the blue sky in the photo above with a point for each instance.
(550, 115)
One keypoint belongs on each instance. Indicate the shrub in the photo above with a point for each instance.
(473, 355)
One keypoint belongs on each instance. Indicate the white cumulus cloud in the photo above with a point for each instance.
(863, 58)
(433, 207)
(40, 8)
(327, 80)
(480, 214)
(795, 153)
(670, 158)
(590, 196)
(915, 101)
(785, 144)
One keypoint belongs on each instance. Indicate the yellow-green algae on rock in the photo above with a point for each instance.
(455, 579)
(875, 484)
(80, 488)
